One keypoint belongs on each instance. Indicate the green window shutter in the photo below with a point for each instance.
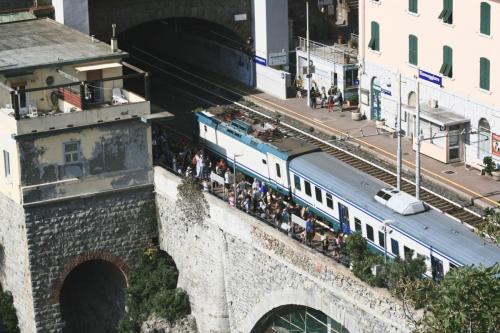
(413, 50)
(447, 13)
(485, 18)
(447, 67)
(484, 74)
(375, 40)
(413, 6)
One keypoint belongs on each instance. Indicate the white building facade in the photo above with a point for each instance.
(452, 48)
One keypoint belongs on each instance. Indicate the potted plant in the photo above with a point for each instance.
(356, 114)
(490, 168)
(352, 100)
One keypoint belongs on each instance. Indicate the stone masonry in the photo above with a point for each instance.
(237, 269)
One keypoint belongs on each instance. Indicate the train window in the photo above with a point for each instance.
(264, 161)
(395, 247)
(381, 239)
(205, 126)
(369, 232)
(278, 171)
(319, 195)
(357, 224)
(380, 193)
(452, 266)
(436, 268)
(307, 187)
(329, 201)
(296, 180)
(408, 252)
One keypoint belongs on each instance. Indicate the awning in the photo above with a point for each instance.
(439, 116)
(98, 66)
(155, 116)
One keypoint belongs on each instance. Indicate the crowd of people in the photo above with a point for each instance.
(242, 192)
(320, 96)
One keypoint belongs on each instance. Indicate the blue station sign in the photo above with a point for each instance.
(260, 60)
(436, 79)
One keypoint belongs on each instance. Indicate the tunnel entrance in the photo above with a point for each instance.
(92, 298)
(297, 319)
(191, 43)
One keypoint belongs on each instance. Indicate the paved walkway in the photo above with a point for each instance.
(469, 183)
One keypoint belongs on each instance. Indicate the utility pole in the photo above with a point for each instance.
(417, 157)
(398, 128)
(308, 57)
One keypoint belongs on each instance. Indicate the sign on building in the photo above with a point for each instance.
(495, 143)
(436, 79)
(278, 58)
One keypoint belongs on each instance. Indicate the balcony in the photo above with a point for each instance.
(76, 104)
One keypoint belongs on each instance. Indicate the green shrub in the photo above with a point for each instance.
(8, 316)
(152, 289)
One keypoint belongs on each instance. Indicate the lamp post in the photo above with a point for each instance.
(308, 57)
(234, 179)
(386, 223)
(398, 128)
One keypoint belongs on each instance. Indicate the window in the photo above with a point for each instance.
(369, 232)
(413, 6)
(447, 13)
(71, 152)
(485, 18)
(374, 43)
(484, 74)
(413, 50)
(6, 163)
(447, 67)
(307, 187)
(296, 180)
(395, 247)
(278, 171)
(381, 239)
(264, 161)
(452, 266)
(357, 224)
(319, 196)
(408, 252)
(329, 201)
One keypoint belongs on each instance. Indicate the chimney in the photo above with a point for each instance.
(114, 41)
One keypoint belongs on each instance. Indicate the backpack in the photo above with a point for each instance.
(309, 227)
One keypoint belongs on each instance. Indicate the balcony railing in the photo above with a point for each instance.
(77, 96)
(338, 53)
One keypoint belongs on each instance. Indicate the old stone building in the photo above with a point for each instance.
(76, 179)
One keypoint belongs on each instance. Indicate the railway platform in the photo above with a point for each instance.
(468, 183)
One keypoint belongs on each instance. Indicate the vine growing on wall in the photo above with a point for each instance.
(191, 201)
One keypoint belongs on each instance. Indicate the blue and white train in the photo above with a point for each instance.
(391, 221)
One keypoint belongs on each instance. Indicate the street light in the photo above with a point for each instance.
(386, 224)
(234, 179)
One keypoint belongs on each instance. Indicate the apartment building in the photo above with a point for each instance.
(451, 47)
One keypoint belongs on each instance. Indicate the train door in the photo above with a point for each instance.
(344, 217)
(277, 171)
(437, 268)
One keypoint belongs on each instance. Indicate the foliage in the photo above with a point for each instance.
(468, 300)
(191, 201)
(353, 99)
(489, 165)
(492, 225)
(8, 316)
(362, 260)
(152, 289)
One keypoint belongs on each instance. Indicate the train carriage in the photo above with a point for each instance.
(391, 221)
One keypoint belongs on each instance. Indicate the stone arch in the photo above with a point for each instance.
(78, 260)
(412, 99)
(484, 138)
(308, 298)
(129, 13)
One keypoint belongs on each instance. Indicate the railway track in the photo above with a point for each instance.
(435, 200)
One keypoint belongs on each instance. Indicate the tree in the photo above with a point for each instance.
(152, 289)
(8, 316)
(467, 300)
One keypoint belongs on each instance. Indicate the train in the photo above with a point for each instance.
(392, 221)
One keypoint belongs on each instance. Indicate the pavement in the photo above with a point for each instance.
(483, 191)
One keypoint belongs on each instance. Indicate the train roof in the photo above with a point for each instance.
(265, 137)
(444, 234)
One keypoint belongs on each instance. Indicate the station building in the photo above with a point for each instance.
(452, 48)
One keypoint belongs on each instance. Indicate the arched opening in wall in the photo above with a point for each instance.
(295, 319)
(412, 99)
(92, 298)
(483, 139)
